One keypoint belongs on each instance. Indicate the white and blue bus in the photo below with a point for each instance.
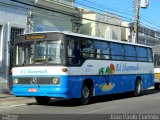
(69, 65)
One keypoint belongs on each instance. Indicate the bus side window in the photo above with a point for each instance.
(141, 54)
(149, 55)
(86, 48)
(98, 51)
(130, 54)
(102, 50)
(117, 51)
(73, 52)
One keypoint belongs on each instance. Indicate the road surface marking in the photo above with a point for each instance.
(94, 111)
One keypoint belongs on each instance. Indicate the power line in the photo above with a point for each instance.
(150, 35)
(105, 11)
(148, 20)
(96, 3)
(91, 4)
(96, 21)
(57, 11)
(108, 2)
(110, 8)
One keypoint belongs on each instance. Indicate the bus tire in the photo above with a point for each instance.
(138, 87)
(85, 94)
(156, 86)
(42, 100)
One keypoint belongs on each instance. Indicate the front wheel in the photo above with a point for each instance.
(138, 88)
(85, 95)
(42, 100)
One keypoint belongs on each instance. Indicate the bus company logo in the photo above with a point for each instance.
(108, 70)
(33, 71)
(125, 67)
(23, 71)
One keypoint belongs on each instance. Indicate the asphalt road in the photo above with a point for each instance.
(106, 106)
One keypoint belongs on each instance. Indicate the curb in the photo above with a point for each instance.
(12, 106)
(11, 102)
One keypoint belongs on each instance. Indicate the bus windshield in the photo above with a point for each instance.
(157, 60)
(40, 52)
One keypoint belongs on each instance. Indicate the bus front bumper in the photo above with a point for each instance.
(41, 91)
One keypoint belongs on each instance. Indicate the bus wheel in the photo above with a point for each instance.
(156, 86)
(138, 88)
(85, 95)
(42, 100)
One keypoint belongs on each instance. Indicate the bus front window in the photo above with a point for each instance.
(55, 52)
(50, 52)
(24, 53)
(40, 52)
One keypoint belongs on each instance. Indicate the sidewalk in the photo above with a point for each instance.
(8, 100)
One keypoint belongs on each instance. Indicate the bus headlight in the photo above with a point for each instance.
(56, 80)
(15, 81)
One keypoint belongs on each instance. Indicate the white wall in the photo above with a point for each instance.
(12, 15)
(99, 29)
(49, 21)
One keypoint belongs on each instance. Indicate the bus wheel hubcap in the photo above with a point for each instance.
(139, 88)
(85, 93)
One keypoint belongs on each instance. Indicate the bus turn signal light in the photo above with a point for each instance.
(64, 69)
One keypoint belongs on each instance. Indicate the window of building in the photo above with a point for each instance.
(102, 50)
(14, 32)
(117, 51)
(129, 52)
(141, 53)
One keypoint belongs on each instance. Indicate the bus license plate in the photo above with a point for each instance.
(32, 90)
(157, 75)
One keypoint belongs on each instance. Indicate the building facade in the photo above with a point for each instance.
(54, 15)
(19, 16)
(146, 35)
(13, 21)
(101, 25)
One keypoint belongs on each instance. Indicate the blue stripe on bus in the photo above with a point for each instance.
(71, 86)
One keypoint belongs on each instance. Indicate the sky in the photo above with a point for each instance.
(149, 16)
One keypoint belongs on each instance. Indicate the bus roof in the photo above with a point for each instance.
(87, 36)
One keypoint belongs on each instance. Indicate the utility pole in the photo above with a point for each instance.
(136, 22)
(143, 4)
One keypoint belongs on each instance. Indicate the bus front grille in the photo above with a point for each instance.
(34, 80)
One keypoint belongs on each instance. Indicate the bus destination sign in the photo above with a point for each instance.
(33, 37)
